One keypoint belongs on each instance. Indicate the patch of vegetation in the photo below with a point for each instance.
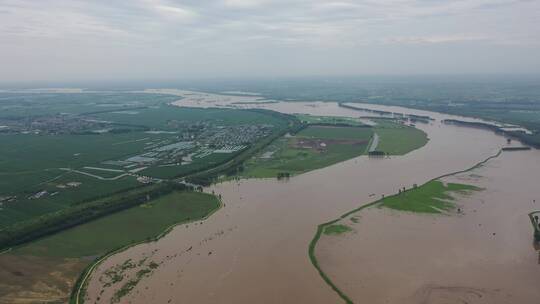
(26, 208)
(432, 197)
(336, 229)
(70, 251)
(209, 161)
(342, 132)
(398, 139)
(125, 227)
(35, 166)
(329, 120)
(312, 148)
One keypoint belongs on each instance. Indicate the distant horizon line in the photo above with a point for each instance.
(167, 82)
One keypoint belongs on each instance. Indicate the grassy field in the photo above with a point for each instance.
(433, 197)
(312, 148)
(311, 119)
(26, 160)
(201, 164)
(325, 132)
(336, 229)
(28, 269)
(288, 154)
(397, 139)
(124, 227)
(89, 188)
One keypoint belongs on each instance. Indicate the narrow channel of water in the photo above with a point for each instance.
(254, 250)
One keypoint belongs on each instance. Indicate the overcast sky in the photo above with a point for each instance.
(59, 40)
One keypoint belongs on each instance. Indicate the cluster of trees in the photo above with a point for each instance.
(537, 229)
(376, 153)
(528, 139)
(282, 175)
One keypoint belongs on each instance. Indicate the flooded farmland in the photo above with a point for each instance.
(484, 254)
(255, 249)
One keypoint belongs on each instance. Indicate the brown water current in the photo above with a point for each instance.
(484, 254)
(255, 249)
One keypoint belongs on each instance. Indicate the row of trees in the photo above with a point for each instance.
(51, 223)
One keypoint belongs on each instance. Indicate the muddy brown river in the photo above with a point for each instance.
(483, 255)
(255, 249)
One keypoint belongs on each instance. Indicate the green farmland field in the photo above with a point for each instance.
(288, 155)
(25, 272)
(285, 155)
(397, 139)
(31, 163)
(124, 227)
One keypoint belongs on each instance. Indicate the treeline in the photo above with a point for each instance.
(113, 110)
(51, 223)
(339, 124)
(364, 109)
(528, 139)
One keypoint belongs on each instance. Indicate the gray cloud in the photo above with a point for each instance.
(152, 39)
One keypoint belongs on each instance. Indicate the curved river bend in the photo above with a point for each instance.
(254, 250)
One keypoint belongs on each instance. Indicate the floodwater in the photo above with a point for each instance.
(483, 255)
(255, 249)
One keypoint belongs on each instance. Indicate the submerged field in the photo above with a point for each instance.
(433, 197)
(46, 269)
(462, 245)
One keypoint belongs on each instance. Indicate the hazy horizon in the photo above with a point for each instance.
(59, 41)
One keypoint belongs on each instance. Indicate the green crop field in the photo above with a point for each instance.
(433, 197)
(325, 132)
(35, 162)
(26, 272)
(397, 139)
(179, 170)
(89, 188)
(124, 227)
(288, 154)
(23, 153)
